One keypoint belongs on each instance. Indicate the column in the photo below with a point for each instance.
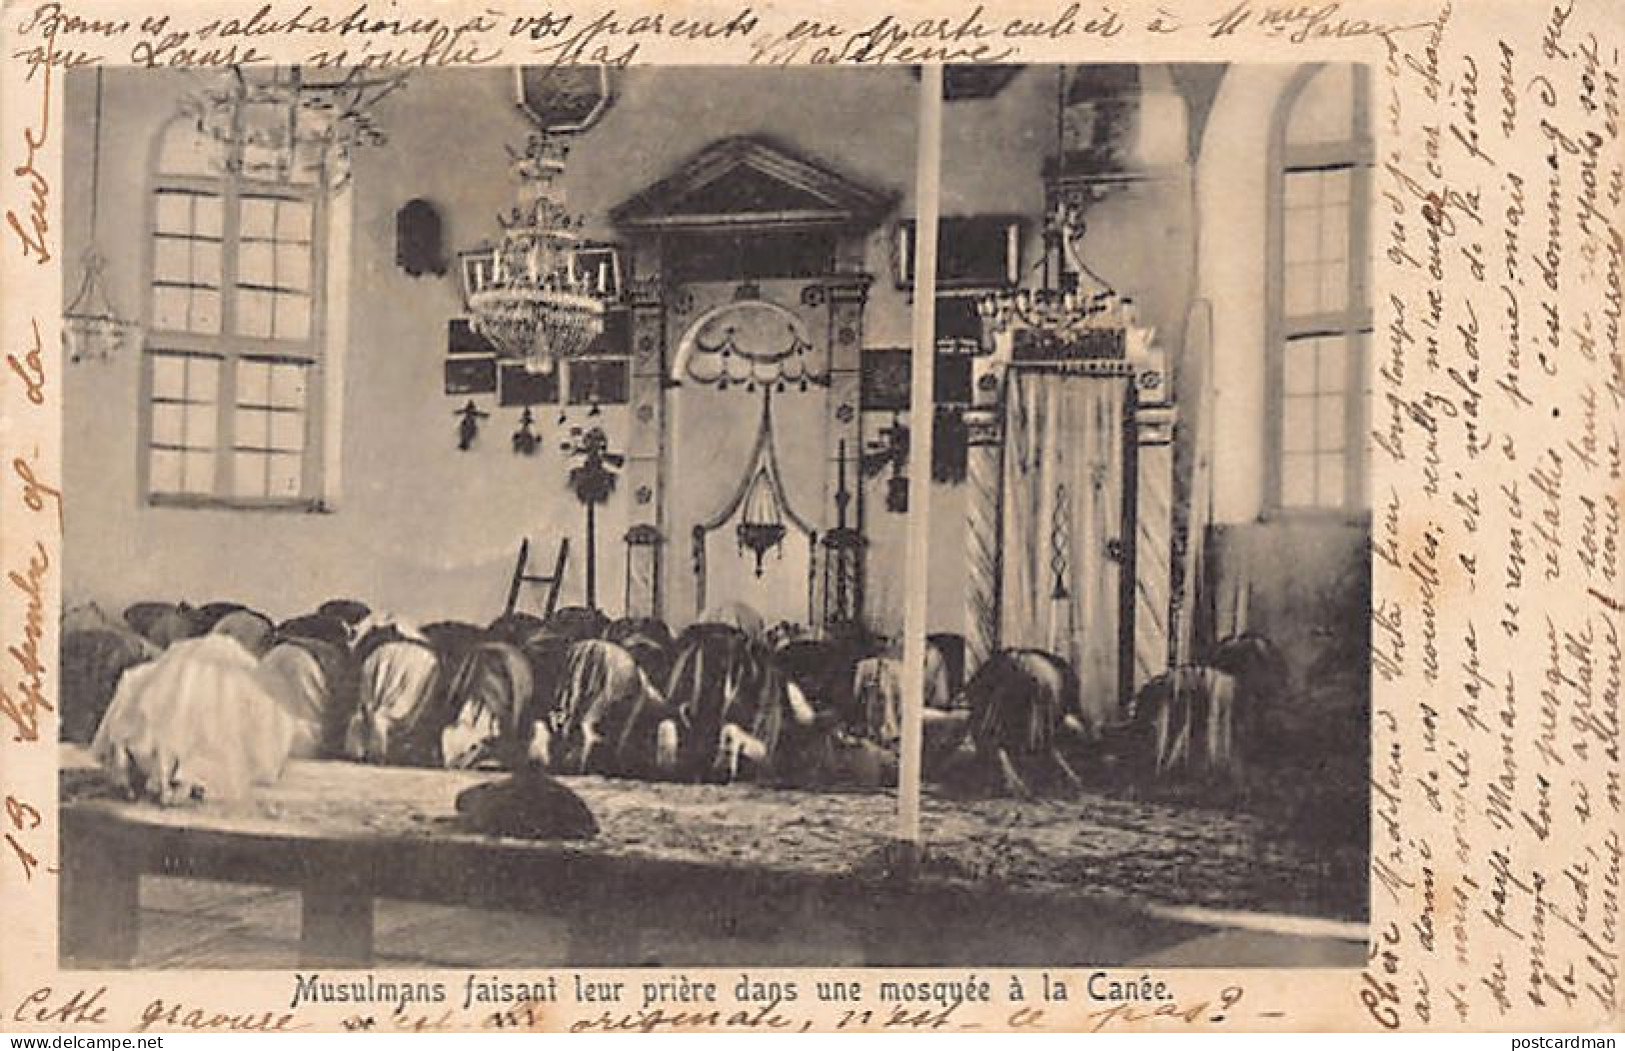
(1153, 541)
(846, 295)
(646, 444)
(984, 480)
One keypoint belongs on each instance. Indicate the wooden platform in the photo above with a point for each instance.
(1002, 882)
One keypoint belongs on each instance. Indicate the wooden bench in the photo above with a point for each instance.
(733, 858)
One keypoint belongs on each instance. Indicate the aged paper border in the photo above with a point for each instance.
(1426, 842)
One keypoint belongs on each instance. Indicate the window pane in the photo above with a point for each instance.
(169, 309)
(1329, 422)
(253, 383)
(172, 260)
(256, 264)
(1332, 367)
(292, 317)
(1302, 191)
(1302, 235)
(1302, 288)
(1298, 480)
(258, 218)
(205, 311)
(1334, 231)
(202, 379)
(173, 214)
(248, 474)
(293, 221)
(168, 422)
(253, 428)
(288, 386)
(168, 376)
(293, 267)
(1298, 366)
(287, 430)
(1334, 286)
(1329, 488)
(1298, 424)
(198, 472)
(254, 314)
(206, 263)
(206, 216)
(1334, 187)
(200, 426)
(164, 471)
(285, 475)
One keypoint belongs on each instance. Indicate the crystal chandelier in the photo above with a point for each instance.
(1060, 308)
(527, 295)
(92, 329)
(1061, 311)
(284, 125)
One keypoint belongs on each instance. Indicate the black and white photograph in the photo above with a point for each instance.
(705, 516)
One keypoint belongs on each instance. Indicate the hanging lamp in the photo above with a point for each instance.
(92, 328)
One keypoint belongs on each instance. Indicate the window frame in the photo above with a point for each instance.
(1354, 323)
(226, 346)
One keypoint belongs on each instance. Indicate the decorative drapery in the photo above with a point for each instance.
(1063, 513)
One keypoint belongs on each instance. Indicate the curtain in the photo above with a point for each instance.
(1063, 504)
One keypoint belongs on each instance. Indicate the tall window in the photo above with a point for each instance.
(233, 412)
(1321, 311)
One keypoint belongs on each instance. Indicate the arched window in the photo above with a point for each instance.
(235, 319)
(1320, 309)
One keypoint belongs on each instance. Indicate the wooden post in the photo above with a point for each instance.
(922, 417)
(335, 928)
(100, 897)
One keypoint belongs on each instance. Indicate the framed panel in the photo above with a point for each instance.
(562, 98)
(982, 251)
(600, 381)
(520, 386)
(471, 374)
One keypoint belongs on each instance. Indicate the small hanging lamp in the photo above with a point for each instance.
(92, 328)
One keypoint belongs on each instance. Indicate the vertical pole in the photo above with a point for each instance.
(922, 416)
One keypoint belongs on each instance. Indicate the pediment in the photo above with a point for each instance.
(745, 183)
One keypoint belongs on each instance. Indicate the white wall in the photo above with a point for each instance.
(1232, 273)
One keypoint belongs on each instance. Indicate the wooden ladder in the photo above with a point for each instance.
(553, 580)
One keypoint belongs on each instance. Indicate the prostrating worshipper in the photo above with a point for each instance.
(348, 611)
(95, 653)
(1187, 720)
(330, 630)
(197, 722)
(453, 640)
(529, 804)
(206, 616)
(315, 682)
(729, 701)
(877, 689)
(515, 627)
(1024, 714)
(824, 670)
(576, 623)
(737, 615)
(1263, 683)
(400, 709)
(649, 642)
(254, 630)
(160, 623)
(607, 718)
(491, 694)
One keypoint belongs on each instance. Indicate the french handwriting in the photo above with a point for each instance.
(1495, 437)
